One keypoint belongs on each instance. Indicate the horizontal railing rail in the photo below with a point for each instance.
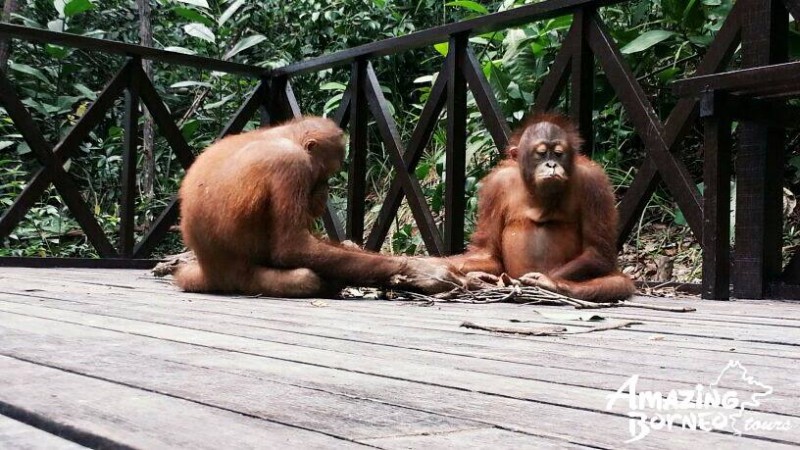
(125, 49)
(758, 25)
(483, 24)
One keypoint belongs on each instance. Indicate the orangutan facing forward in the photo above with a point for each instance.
(546, 216)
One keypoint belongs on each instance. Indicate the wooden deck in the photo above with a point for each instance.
(114, 358)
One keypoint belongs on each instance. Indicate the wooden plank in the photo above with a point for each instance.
(736, 312)
(121, 48)
(490, 110)
(673, 341)
(391, 140)
(344, 416)
(69, 145)
(750, 80)
(456, 152)
(743, 318)
(55, 262)
(130, 146)
(646, 121)
(581, 105)
(512, 409)
(17, 435)
(482, 438)
(63, 181)
(433, 345)
(143, 280)
(759, 170)
(108, 414)
(556, 79)
(679, 121)
(359, 142)
(779, 402)
(331, 218)
(794, 8)
(483, 24)
(716, 199)
(416, 147)
(713, 332)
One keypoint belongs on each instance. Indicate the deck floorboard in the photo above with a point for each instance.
(104, 358)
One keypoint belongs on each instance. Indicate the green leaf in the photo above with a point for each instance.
(646, 40)
(183, 84)
(189, 128)
(215, 105)
(668, 74)
(56, 51)
(422, 171)
(23, 148)
(467, 4)
(442, 48)
(28, 70)
(679, 219)
(59, 6)
(183, 50)
(6, 144)
(244, 44)
(425, 79)
(88, 93)
(193, 15)
(331, 104)
(74, 7)
(56, 25)
(333, 86)
(200, 3)
(230, 11)
(559, 23)
(200, 31)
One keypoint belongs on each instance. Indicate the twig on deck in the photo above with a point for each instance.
(611, 326)
(657, 307)
(527, 295)
(550, 331)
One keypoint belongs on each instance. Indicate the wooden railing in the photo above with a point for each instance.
(760, 26)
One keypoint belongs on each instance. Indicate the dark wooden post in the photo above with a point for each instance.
(281, 104)
(759, 162)
(455, 166)
(127, 204)
(356, 176)
(717, 198)
(582, 92)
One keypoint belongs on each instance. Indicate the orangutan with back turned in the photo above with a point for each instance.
(248, 204)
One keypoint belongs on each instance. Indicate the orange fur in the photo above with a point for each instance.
(561, 231)
(248, 204)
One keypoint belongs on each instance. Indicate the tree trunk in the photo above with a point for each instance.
(148, 141)
(9, 7)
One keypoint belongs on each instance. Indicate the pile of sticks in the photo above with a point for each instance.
(527, 295)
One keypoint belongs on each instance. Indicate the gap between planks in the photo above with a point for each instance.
(137, 352)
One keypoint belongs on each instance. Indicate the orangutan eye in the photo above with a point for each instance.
(559, 149)
(541, 149)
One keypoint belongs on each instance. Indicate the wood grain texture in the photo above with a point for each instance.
(19, 436)
(379, 373)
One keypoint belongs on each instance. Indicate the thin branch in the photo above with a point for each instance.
(657, 307)
(549, 331)
(611, 326)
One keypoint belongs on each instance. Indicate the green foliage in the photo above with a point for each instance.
(662, 40)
